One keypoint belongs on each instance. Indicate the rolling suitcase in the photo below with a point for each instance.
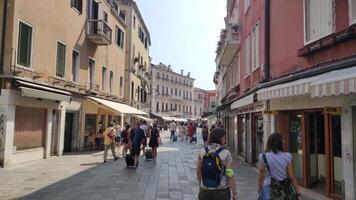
(175, 138)
(149, 154)
(129, 160)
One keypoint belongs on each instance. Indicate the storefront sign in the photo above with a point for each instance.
(270, 112)
(332, 110)
(256, 107)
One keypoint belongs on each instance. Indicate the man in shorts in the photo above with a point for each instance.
(137, 136)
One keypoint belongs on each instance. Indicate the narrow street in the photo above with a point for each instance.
(84, 176)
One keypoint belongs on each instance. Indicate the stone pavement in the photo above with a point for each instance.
(84, 176)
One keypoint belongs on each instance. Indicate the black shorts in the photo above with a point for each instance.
(135, 151)
(144, 141)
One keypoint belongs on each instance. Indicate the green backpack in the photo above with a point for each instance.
(280, 190)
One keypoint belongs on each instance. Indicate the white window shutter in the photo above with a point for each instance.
(253, 48)
(257, 44)
(353, 11)
(318, 18)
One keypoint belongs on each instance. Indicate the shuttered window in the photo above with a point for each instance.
(119, 37)
(247, 52)
(24, 45)
(61, 59)
(318, 19)
(352, 7)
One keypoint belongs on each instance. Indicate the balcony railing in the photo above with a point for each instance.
(99, 32)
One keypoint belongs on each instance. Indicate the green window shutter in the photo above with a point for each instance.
(24, 45)
(61, 57)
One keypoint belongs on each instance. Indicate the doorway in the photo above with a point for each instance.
(242, 136)
(316, 144)
(68, 132)
(54, 137)
(257, 138)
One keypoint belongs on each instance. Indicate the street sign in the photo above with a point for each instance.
(270, 112)
(332, 110)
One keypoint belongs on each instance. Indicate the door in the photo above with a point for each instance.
(316, 149)
(68, 132)
(242, 136)
(295, 138)
(257, 138)
(335, 157)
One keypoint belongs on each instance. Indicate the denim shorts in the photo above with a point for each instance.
(265, 193)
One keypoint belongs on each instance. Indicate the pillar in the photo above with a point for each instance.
(61, 127)
(347, 127)
(7, 115)
(47, 150)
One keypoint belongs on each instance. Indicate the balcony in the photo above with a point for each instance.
(229, 44)
(98, 32)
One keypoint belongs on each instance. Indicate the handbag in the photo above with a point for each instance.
(280, 190)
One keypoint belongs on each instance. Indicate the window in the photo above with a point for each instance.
(77, 4)
(24, 45)
(146, 42)
(256, 46)
(166, 106)
(318, 19)
(236, 70)
(157, 106)
(132, 90)
(134, 22)
(121, 85)
(105, 17)
(61, 59)
(111, 80)
(175, 91)
(246, 5)
(103, 78)
(162, 108)
(91, 73)
(352, 7)
(157, 90)
(162, 90)
(167, 91)
(122, 15)
(75, 66)
(247, 56)
(171, 91)
(119, 37)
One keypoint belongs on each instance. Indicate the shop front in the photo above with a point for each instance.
(249, 128)
(316, 116)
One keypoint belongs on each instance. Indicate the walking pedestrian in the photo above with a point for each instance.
(154, 143)
(181, 131)
(190, 131)
(118, 140)
(172, 128)
(205, 133)
(214, 170)
(109, 135)
(125, 136)
(136, 138)
(276, 179)
(144, 127)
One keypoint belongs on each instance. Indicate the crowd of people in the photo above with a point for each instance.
(131, 139)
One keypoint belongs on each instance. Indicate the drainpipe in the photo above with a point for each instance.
(267, 74)
(3, 37)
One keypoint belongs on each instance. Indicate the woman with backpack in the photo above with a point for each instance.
(214, 169)
(154, 141)
(276, 179)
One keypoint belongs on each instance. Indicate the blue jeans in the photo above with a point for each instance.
(172, 134)
(265, 193)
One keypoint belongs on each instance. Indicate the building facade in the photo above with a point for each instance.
(62, 75)
(200, 102)
(296, 69)
(172, 93)
(137, 60)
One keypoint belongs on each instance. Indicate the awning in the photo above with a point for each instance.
(41, 94)
(144, 118)
(243, 102)
(335, 83)
(41, 87)
(119, 107)
(294, 88)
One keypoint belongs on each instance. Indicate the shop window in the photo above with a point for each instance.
(295, 144)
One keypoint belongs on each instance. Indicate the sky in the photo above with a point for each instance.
(184, 34)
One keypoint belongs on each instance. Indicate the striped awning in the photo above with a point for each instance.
(333, 83)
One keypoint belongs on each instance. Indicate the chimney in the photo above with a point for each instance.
(181, 72)
(188, 75)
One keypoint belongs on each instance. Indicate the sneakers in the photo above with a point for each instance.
(116, 158)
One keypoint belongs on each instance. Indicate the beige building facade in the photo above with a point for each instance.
(137, 60)
(55, 69)
(172, 93)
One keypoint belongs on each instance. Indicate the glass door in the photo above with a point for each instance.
(336, 155)
(296, 144)
(258, 137)
(242, 136)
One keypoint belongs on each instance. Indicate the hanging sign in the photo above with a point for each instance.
(270, 112)
(332, 110)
